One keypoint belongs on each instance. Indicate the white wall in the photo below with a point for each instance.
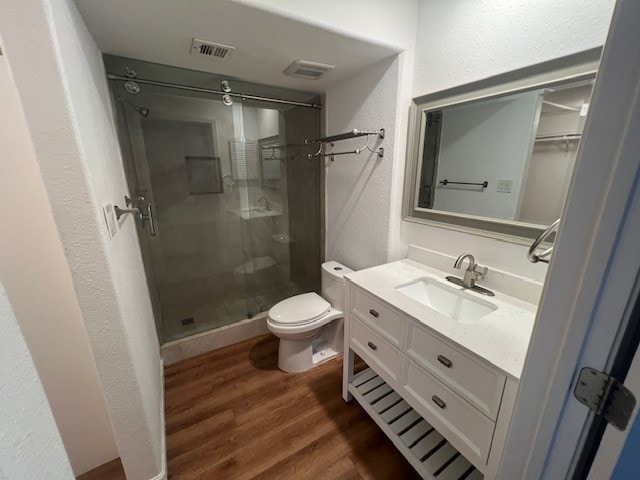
(385, 22)
(30, 445)
(362, 211)
(63, 90)
(359, 186)
(487, 141)
(33, 265)
(460, 42)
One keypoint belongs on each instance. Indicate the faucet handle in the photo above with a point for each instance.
(480, 271)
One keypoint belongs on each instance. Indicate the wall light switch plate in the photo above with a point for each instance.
(504, 186)
(110, 218)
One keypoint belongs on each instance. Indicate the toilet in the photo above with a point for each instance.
(309, 326)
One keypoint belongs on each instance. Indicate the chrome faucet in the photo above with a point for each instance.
(472, 274)
(264, 203)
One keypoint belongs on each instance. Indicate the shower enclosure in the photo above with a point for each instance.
(227, 183)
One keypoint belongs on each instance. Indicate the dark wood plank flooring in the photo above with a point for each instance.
(231, 414)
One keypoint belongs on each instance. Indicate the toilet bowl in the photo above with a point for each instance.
(309, 326)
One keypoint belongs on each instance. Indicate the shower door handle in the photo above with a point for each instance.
(150, 219)
(144, 210)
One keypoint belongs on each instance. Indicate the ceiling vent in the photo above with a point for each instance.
(211, 49)
(308, 70)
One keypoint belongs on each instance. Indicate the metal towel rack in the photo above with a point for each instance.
(541, 257)
(345, 136)
(484, 184)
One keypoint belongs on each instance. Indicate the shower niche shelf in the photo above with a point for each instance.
(251, 213)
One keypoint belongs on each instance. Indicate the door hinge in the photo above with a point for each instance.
(606, 396)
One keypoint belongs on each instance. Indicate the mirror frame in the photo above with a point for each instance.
(571, 68)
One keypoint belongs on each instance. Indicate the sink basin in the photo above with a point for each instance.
(450, 301)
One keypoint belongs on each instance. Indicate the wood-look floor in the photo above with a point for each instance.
(231, 414)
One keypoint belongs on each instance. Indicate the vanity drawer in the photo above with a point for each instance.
(380, 317)
(468, 430)
(480, 386)
(375, 350)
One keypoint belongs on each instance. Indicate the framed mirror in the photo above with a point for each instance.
(496, 156)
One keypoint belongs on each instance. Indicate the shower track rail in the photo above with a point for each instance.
(121, 78)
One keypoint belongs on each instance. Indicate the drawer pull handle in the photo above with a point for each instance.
(372, 346)
(445, 361)
(439, 402)
(374, 313)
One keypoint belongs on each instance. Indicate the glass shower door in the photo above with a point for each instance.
(181, 155)
(282, 194)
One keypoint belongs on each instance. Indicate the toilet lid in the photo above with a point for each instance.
(300, 309)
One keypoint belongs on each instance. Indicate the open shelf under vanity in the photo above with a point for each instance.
(431, 455)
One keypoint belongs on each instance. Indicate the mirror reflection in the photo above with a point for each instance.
(509, 157)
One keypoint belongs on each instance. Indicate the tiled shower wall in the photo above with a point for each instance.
(303, 195)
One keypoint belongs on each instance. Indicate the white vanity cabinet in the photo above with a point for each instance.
(446, 409)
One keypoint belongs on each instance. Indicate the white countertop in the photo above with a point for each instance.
(500, 338)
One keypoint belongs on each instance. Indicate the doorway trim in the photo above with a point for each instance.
(593, 274)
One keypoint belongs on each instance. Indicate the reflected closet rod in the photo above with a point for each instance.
(114, 77)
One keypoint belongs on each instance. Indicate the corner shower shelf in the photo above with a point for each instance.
(255, 212)
(429, 453)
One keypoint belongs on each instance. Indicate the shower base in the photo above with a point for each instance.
(187, 347)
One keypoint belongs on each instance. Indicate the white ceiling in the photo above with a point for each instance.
(161, 31)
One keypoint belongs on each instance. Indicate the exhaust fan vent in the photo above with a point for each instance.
(211, 49)
(308, 70)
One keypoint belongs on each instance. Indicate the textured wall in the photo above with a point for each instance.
(63, 90)
(30, 445)
(32, 263)
(460, 41)
(378, 21)
(359, 186)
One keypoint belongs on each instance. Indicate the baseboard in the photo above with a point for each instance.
(163, 437)
(187, 347)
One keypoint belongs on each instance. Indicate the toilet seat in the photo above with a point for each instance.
(299, 310)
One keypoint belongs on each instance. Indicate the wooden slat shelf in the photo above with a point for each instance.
(429, 453)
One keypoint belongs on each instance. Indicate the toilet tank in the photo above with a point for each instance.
(333, 284)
